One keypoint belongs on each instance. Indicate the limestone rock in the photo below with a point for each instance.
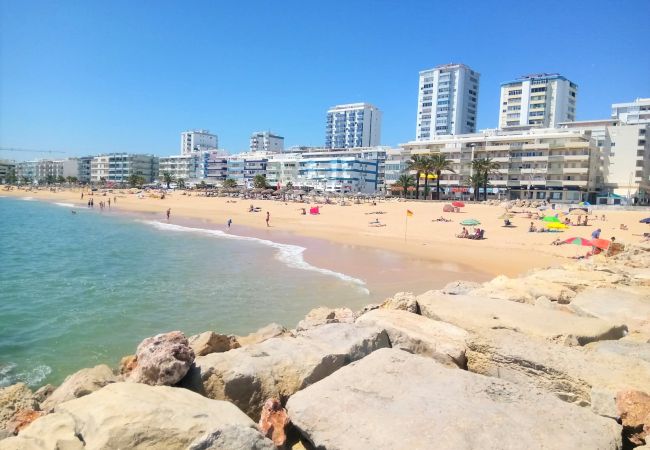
(322, 315)
(615, 305)
(211, 342)
(43, 393)
(405, 301)
(127, 364)
(626, 348)
(163, 359)
(634, 408)
(13, 399)
(50, 432)
(441, 341)
(269, 331)
(524, 290)
(21, 419)
(273, 421)
(232, 438)
(476, 314)
(79, 384)
(393, 399)
(367, 308)
(135, 416)
(573, 374)
(577, 280)
(278, 367)
(460, 287)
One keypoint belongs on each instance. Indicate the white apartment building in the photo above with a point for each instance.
(395, 165)
(540, 100)
(624, 151)
(7, 169)
(557, 165)
(265, 141)
(42, 169)
(634, 112)
(118, 167)
(447, 101)
(282, 169)
(208, 166)
(198, 140)
(353, 125)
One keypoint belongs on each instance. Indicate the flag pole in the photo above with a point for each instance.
(406, 224)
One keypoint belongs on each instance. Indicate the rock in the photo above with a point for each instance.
(392, 399)
(50, 432)
(13, 399)
(322, 315)
(441, 341)
(232, 438)
(270, 331)
(273, 421)
(405, 301)
(211, 342)
(21, 419)
(577, 280)
(135, 416)
(614, 305)
(127, 364)
(573, 374)
(367, 308)
(79, 384)
(476, 314)
(628, 349)
(278, 367)
(43, 393)
(460, 287)
(524, 290)
(634, 408)
(163, 359)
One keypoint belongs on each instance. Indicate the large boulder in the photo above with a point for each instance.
(267, 332)
(211, 342)
(476, 314)
(634, 408)
(404, 301)
(278, 367)
(163, 359)
(232, 437)
(626, 348)
(83, 382)
(133, 416)
(14, 399)
(573, 374)
(273, 421)
(322, 315)
(524, 290)
(460, 287)
(578, 279)
(444, 342)
(394, 399)
(631, 307)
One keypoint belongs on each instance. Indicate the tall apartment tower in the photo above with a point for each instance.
(198, 140)
(538, 100)
(447, 101)
(265, 141)
(634, 112)
(353, 125)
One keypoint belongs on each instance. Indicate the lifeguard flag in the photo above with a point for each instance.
(409, 213)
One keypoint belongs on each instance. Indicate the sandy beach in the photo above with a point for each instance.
(505, 250)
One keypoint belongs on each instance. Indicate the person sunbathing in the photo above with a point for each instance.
(463, 234)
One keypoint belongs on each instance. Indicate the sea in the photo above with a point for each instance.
(82, 289)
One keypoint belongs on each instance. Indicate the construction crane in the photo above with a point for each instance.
(11, 149)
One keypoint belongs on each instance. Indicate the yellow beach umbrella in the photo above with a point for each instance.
(556, 226)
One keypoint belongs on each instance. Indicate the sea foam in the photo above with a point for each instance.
(291, 255)
(66, 205)
(32, 378)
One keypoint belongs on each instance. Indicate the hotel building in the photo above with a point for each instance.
(265, 141)
(39, 170)
(208, 166)
(539, 100)
(353, 125)
(447, 101)
(198, 140)
(118, 167)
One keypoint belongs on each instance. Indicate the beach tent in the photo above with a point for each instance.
(314, 210)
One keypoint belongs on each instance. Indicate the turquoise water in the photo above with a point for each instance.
(81, 289)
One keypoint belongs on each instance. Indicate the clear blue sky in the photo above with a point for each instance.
(103, 76)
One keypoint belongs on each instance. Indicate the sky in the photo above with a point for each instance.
(87, 77)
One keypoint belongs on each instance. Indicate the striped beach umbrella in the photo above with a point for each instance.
(578, 241)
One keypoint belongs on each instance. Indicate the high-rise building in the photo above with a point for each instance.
(541, 100)
(353, 125)
(634, 112)
(447, 101)
(118, 167)
(198, 140)
(265, 141)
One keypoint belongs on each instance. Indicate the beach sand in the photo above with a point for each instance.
(505, 251)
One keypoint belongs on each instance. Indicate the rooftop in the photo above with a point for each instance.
(536, 76)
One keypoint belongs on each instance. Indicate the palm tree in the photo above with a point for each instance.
(439, 162)
(289, 185)
(404, 182)
(485, 167)
(167, 178)
(180, 183)
(229, 183)
(475, 181)
(259, 181)
(60, 179)
(416, 164)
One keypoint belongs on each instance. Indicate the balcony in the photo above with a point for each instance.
(542, 158)
(578, 144)
(576, 157)
(502, 147)
(535, 146)
(578, 183)
(576, 170)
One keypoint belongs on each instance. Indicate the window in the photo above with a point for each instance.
(514, 108)
(427, 86)
(427, 104)
(538, 89)
(515, 92)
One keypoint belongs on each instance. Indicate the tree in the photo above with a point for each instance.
(439, 162)
(168, 179)
(485, 167)
(404, 182)
(201, 185)
(60, 179)
(135, 180)
(24, 180)
(50, 179)
(180, 183)
(229, 183)
(416, 164)
(289, 185)
(11, 176)
(259, 181)
(475, 181)
(102, 181)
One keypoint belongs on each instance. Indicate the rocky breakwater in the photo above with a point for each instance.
(558, 358)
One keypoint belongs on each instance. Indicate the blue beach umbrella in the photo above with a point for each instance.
(646, 220)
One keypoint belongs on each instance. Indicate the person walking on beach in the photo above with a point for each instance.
(229, 223)
(268, 218)
(169, 211)
(82, 196)
(595, 234)
(109, 203)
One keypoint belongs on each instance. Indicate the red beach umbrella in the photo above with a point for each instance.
(458, 204)
(602, 244)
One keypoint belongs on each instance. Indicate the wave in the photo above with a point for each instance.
(32, 378)
(291, 255)
(28, 199)
(67, 205)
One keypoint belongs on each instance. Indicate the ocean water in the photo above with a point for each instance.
(82, 289)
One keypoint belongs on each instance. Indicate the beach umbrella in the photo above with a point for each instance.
(577, 212)
(458, 204)
(556, 225)
(447, 208)
(578, 241)
(551, 219)
(602, 244)
(646, 220)
(584, 204)
(470, 222)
